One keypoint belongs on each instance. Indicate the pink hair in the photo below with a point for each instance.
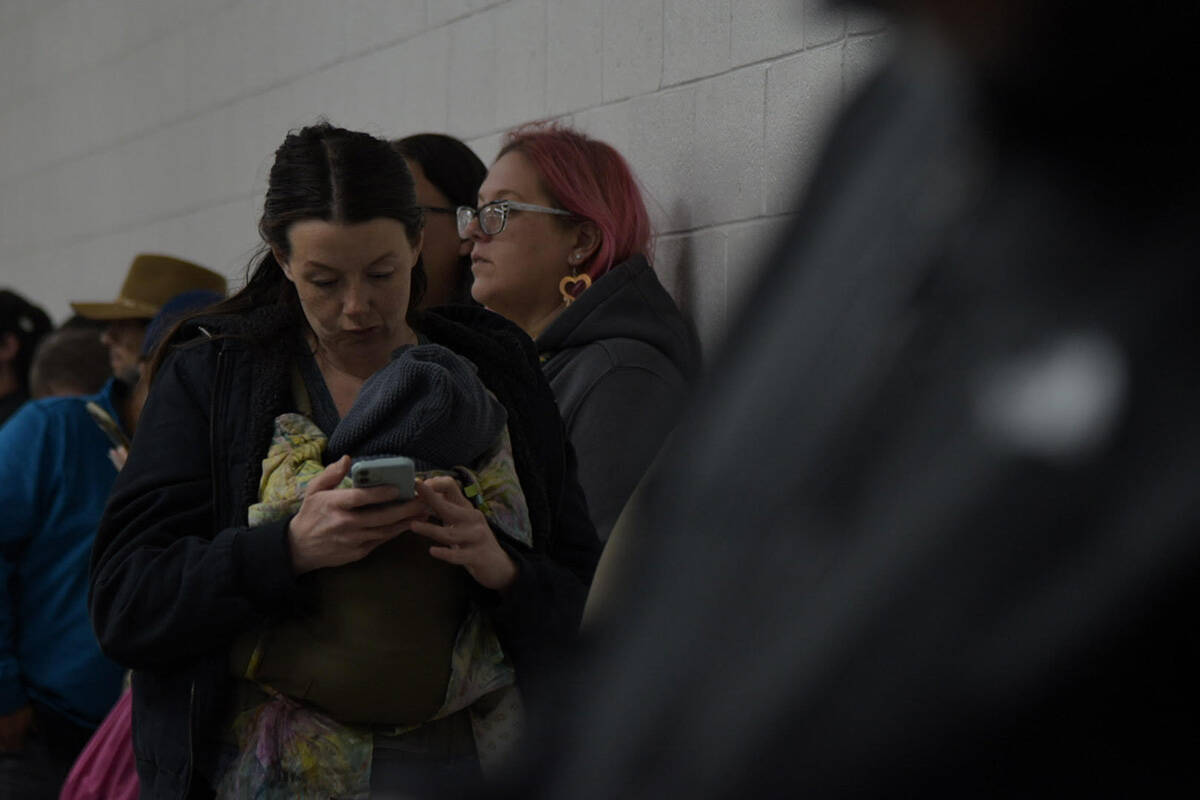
(591, 180)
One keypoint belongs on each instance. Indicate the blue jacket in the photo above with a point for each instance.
(55, 478)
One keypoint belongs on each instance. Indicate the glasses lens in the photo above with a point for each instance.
(492, 218)
(465, 215)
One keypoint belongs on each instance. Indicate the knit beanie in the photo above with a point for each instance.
(427, 404)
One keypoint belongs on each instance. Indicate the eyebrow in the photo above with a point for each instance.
(319, 265)
(499, 196)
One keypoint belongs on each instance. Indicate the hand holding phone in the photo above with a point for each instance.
(322, 535)
(395, 471)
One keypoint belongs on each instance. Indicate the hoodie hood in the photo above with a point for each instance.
(627, 302)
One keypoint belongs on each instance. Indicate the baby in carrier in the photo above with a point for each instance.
(394, 640)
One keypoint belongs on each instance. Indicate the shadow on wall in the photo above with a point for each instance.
(683, 285)
(676, 265)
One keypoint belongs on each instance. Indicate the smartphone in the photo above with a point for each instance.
(107, 424)
(395, 471)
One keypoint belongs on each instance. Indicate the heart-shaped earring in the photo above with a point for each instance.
(568, 283)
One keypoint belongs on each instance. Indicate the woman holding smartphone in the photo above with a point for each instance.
(183, 586)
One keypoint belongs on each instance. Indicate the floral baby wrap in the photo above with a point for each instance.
(289, 748)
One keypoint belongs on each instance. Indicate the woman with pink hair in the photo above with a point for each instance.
(562, 248)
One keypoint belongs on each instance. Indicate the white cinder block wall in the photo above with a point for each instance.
(133, 126)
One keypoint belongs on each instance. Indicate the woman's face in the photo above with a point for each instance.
(517, 271)
(353, 282)
(442, 248)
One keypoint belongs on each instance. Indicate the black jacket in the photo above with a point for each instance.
(177, 574)
(620, 360)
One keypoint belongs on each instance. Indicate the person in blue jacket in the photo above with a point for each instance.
(55, 477)
(55, 686)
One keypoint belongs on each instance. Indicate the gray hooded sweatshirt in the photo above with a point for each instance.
(620, 360)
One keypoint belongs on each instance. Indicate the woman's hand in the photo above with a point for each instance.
(332, 526)
(463, 537)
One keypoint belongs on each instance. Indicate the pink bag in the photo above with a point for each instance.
(105, 770)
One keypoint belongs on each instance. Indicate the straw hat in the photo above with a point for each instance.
(151, 282)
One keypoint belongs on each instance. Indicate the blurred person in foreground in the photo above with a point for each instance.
(22, 326)
(447, 174)
(55, 478)
(931, 527)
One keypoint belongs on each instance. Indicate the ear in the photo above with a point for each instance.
(416, 248)
(283, 265)
(587, 241)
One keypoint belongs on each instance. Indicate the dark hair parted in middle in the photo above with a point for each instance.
(341, 176)
(322, 172)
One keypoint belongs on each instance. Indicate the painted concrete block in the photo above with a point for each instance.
(313, 36)
(729, 133)
(222, 58)
(227, 253)
(15, 57)
(426, 84)
(19, 209)
(192, 12)
(662, 151)
(150, 181)
(822, 23)
(486, 147)
(90, 194)
(377, 23)
(865, 20)
(864, 55)
(472, 106)
(696, 39)
(17, 13)
(256, 127)
(692, 268)
(575, 55)
(766, 29)
(803, 95)
(521, 62)
(611, 124)
(633, 47)
(32, 121)
(751, 244)
(143, 21)
(441, 12)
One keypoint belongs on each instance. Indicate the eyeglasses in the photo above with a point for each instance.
(438, 209)
(493, 216)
